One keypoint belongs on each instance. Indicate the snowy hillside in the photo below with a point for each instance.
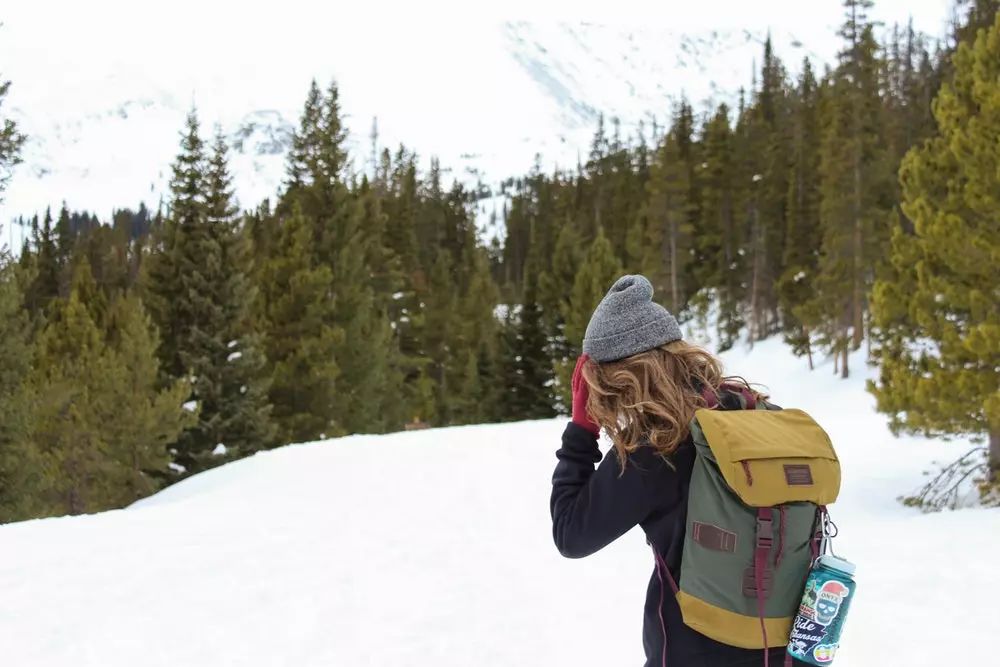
(434, 548)
(102, 92)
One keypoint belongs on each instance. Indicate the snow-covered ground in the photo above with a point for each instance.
(434, 548)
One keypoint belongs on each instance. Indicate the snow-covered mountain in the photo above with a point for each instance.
(101, 88)
(434, 548)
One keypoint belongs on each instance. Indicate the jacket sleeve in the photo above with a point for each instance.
(592, 508)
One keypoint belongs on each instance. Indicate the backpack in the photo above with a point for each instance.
(761, 481)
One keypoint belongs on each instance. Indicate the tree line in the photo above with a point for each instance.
(153, 346)
(828, 208)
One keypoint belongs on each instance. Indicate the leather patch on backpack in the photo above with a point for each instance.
(713, 537)
(798, 475)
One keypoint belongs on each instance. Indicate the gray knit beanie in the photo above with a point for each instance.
(627, 322)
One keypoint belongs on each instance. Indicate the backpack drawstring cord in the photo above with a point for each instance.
(781, 536)
(661, 570)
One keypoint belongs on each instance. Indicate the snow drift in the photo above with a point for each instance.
(434, 548)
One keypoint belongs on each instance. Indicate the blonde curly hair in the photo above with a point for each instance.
(650, 398)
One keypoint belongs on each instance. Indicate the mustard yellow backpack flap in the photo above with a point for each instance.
(761, 479)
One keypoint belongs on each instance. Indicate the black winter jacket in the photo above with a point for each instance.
(592, 508)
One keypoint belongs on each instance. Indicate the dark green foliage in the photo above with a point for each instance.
(201, 296)
(16, 463)
(599, 268)
(45, 267)
(141, 441)
(82, 451)
(938, 309)
(719, 267)
(296, 316)
(978, 15)
(529, 376)
(366, 353)
(670, 211)
(802, 236)
(855, 173)
(236, 403)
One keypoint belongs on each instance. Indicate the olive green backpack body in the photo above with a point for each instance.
(761, 481)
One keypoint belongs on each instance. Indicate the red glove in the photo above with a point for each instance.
(580, 394)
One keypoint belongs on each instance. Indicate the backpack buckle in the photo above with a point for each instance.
(765, 532)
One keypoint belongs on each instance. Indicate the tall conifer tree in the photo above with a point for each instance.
(201, 295)
(19, 463)
(939, 314)
(802, 236)
(301, 341)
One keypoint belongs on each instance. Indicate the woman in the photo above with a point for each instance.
(642, 384)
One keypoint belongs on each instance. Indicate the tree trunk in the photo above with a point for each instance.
(674, 296)
(994, 454)
(844, 349)
(809, 349)
(868, 338)
(754, 303)
(859, 264)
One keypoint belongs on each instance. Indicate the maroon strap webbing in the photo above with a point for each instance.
(762, 550)
(712, 399)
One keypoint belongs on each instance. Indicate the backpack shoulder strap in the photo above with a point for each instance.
(749, 400)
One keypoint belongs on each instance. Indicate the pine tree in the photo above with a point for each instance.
(332, 137)
(174, 281)
(201, 295)
(439, 330)
(95, 454)
(63, 239)
(472, 371)
(979, 15)
(530, 378)
(389, 284)
(318, 174)
(768, 188)
(11, 141)
(138, 441)
(68, 375)
(855, 182)
(365, 354)
(939, 316)
(399, 192)
(718, 263)
(670, 209)
(242, 419)
(46, 271)
(296, 311)
(598, 271)
(19, 463)
(802, 237)
(303, 159)
(553, 292)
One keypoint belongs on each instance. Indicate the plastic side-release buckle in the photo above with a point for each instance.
(765, 532)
